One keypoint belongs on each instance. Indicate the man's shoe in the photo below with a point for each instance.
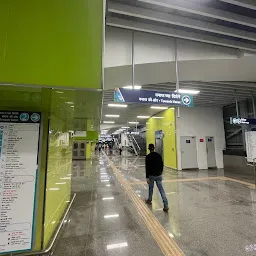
(148, 202)
(166, 209)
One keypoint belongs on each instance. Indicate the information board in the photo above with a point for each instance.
(19, 139)
(250, 139)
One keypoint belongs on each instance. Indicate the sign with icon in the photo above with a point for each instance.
(19, 142)
(153, 97)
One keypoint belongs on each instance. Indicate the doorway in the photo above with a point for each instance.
(79, 150)
(210, 150)
(159, 142)
(188, 152)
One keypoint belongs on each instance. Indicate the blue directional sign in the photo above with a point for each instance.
(239, 121)
(153, 97)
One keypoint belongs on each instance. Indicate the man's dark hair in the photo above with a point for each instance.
(151, 146)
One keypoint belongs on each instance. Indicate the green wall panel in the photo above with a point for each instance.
(52, 42)
(58, 188)
(167, 125)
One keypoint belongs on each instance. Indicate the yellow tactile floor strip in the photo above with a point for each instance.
(161, 236)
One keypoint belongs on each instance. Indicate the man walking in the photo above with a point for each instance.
(154, 171)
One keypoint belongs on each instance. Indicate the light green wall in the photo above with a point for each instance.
(167, 125)
(58, 186)
(51, 42)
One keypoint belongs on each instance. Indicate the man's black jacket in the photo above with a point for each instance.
(154, 164)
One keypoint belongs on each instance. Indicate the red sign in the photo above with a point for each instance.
(201, 140)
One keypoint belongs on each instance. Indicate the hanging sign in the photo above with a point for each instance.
(239, 121)
(19, 139)
(153, 97)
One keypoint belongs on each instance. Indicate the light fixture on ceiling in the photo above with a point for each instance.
(133, 122)
(72, 106)
(115, 116)
(158, 107)
(108, 122)
(188, 91)
(117, 105)
(143, 117)
(157, 117)
(130, 87)
(69, 102)
(125, 127)
(59, 92)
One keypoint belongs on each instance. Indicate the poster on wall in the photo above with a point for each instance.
(19, 140)
(153, 97)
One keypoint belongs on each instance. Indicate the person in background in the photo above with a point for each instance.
(120, 149)
(154, 171)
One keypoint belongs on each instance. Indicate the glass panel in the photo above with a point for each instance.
(82, 145)
(82, 153)
(75, 146)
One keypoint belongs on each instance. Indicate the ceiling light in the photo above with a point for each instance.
(125, 127)
(61, 183)
(107, 198)
(72, 106)
(157, 107)
(188, 91)
(104, 180)
(116, 116)
(66, 178)
(108, 122)
(111, 216)
(143, 117)
(117, 105)
(54, 189)
(157, 117)
(115, 246)
(135, 87)
(59, 92)
(133, 122)
(69, 102)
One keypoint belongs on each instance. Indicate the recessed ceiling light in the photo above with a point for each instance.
(72, 106)
(188, 91)
(59, 92)
(143, 117)
(108, 122)
(157, 107)
(130, 87)
(157, 117)
(125, 127)
(116, 116)
(117, 105)
(61, 183)
(69, 102)
(54, 189)
(133, 122)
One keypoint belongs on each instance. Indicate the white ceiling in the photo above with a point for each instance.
(220, 69)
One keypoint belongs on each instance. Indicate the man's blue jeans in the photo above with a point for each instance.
(158, 180)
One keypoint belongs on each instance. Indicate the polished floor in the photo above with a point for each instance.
(211, 213)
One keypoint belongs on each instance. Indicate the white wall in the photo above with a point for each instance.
(202, 122)
(150, 48)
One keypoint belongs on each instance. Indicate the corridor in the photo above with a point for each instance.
(210, 214)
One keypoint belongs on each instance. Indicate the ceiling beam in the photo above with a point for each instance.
(178, 20)
(203, 10)
(250, 4)
(199, 37)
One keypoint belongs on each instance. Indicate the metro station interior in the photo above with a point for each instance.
(91, 90)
